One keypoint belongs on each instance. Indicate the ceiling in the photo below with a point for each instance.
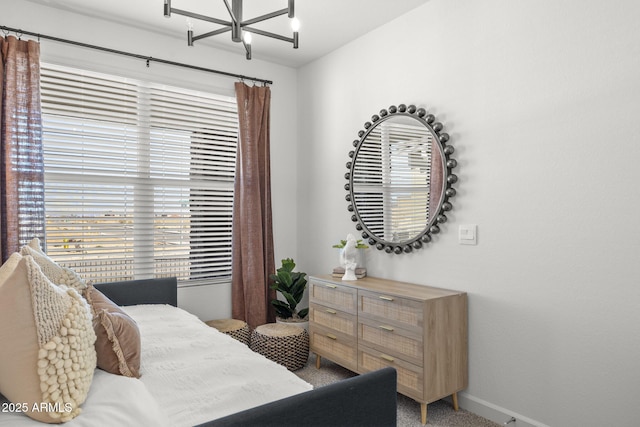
(325, 24)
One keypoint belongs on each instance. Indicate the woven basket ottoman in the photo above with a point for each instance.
(284, 344)
(238, 329)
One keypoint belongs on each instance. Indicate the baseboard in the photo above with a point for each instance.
(495, 413)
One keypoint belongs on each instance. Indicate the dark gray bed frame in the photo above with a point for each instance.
(366, 400)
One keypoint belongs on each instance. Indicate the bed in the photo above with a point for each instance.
(192, 374)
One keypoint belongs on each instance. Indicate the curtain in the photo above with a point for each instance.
(252, 242)
(436, 183)
(21, 159)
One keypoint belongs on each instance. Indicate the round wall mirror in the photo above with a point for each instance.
(400, 179)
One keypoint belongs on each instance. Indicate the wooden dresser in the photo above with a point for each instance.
(371, 323)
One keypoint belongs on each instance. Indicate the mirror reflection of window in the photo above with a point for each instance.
(391, 179)
(406, 177)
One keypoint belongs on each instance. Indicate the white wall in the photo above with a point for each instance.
(207, 302)
(542, 100)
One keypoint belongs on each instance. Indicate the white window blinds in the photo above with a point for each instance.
(138, 177)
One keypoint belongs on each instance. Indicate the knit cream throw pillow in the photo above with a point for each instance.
(47, 356)
(58, 274)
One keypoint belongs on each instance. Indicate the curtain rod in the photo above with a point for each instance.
(133, 55)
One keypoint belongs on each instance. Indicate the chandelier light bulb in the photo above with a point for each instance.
(189, 32)
(247, 37)
(295, 24)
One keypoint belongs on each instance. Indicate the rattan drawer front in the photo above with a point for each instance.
(410, 377)
(333, 319)
(333, 295)
(401, 311)
(335, 346)
(392, 340)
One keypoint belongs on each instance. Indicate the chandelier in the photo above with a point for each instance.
(241, 30)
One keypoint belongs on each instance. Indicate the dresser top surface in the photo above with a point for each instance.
(391, 287)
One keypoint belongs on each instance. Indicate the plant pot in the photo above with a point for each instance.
(304, 324)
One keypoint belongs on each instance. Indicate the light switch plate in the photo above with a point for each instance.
(468, 234)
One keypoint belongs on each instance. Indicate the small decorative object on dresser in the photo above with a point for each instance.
(348, 258)
(371, 323)
(360, 270)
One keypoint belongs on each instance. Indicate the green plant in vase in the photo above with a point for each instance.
(291, 286)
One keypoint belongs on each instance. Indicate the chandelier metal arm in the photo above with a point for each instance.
(268, 34)
(247, 48)
(236, 16)
(200, 17)
(264, 17)
(231, 11)
(211, 33)
(236, 26)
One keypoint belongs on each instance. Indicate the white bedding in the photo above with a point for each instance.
(191, 374)
(113, 400)
(198, 374)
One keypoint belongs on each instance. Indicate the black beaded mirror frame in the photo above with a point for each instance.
(446, 150)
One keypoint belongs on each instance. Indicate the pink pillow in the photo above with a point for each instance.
(118, 336)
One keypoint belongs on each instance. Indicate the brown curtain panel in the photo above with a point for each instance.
(21, 159)
(253, 259)
(437, 175)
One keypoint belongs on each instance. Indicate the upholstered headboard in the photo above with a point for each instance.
(146, 291)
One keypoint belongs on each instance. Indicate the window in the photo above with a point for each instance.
(138, 177)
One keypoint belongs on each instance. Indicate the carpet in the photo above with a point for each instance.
(439, 414)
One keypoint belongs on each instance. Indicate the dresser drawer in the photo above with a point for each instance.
(333, 295)
(393, 309)
(399, 342)
(335, 346)
(333, 319)
(410, 377)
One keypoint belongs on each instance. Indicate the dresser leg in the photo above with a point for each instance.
(454, 397)
(318, 358)
(423, 413)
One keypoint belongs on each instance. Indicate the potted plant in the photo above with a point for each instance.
(291, 286)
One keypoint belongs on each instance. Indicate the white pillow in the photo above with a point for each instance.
(7, 268)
